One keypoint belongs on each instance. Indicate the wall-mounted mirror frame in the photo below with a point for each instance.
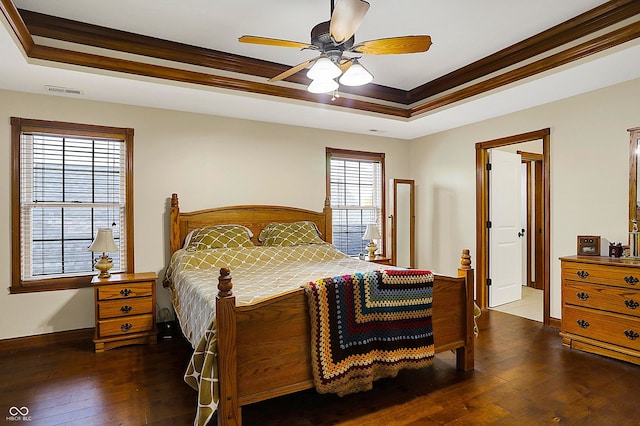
(634, 181)
(403, 223)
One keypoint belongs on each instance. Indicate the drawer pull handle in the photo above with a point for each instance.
(582, 296)
(126, 292)
(126, 326)
(583, 274)
(631, 335)
(125, 309)
(631, 304)
(631, 280)
(582, 323)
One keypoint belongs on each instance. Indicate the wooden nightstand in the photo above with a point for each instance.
(125, 310)
(379, 259)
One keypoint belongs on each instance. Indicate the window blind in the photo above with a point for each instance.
(69, 187)
(356, 200)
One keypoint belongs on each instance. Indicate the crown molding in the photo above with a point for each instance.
(241, 73)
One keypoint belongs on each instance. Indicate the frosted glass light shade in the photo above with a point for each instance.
(356, 75)
(104, 242)
(323, 85)
(372, 232)
(324, 68)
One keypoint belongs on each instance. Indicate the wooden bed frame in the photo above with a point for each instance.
(281, 363)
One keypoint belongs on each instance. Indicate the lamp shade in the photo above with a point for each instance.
(372, 232)
(323, 85)
(324, 68)
(356, 75)
(104, 242)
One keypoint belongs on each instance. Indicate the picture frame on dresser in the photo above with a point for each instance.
(588, 245)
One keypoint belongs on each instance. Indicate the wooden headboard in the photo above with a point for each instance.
(254, 217)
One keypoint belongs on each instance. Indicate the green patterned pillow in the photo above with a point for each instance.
(290, 234)
(220, 236)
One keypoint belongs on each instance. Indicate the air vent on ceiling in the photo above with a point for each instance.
(65, 90)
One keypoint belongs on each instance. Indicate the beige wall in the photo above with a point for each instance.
(209, 161)
(212, 161)
(589, 176)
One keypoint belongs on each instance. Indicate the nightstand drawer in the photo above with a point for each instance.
(125, 325)
(124, 307)
(121, 291)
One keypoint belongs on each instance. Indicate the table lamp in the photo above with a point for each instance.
(371, 234)
(103, 243)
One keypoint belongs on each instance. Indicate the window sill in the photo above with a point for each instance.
(51, 284)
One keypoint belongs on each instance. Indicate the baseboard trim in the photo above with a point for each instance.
(85, 334)
(554, 322)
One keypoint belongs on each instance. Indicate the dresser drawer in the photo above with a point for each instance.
(121, 291)
(125, 325)
(606, 327)
(124, 307)
(620, 276)
(606, 298)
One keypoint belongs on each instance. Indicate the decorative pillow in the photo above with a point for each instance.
(290, 234)
(220, 236)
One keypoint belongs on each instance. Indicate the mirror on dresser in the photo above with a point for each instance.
(634, 181)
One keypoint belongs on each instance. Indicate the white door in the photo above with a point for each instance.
(506, 232)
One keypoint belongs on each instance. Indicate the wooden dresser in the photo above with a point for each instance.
(125, 310)
(601, 306)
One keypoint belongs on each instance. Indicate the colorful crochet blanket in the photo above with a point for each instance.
(367, 326)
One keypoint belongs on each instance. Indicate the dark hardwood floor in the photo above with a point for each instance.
(523, 376)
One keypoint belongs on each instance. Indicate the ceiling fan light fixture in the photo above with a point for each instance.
(323, 85)
(356, 75)
(324, 69)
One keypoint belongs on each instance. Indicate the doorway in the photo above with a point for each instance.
(482, 215)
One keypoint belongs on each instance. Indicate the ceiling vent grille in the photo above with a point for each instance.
(63, 90)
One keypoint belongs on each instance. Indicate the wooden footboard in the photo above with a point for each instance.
(281, 363)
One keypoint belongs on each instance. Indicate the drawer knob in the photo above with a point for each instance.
(125, 291)
(631, 280)
(631, 335)
(582, 296)
(582, 274)
(631, 304)
(126, 326)
(582, 323)
(125, 309)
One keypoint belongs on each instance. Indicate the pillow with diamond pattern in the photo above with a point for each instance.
(290, 234)
(220, 236)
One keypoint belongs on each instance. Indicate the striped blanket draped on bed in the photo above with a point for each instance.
(369, 325)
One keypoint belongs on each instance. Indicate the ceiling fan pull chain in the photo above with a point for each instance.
(335, 95)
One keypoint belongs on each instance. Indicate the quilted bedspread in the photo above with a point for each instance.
(258, 273)
(369, 325)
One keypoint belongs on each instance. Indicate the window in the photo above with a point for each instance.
(355, 184)
(68, 180)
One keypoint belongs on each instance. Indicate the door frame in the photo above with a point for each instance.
(533, 162)
(482, 214)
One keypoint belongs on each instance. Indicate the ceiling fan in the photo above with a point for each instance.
(335, 41)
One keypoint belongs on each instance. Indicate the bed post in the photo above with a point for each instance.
(464, 355)
(328, 221)
(228, 407)
(174, 226)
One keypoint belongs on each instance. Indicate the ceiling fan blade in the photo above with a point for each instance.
(394, 45)
(293, 70)
(344, 65)
(275, 42)
(346, 18)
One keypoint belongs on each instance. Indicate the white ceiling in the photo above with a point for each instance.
(462, 32)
